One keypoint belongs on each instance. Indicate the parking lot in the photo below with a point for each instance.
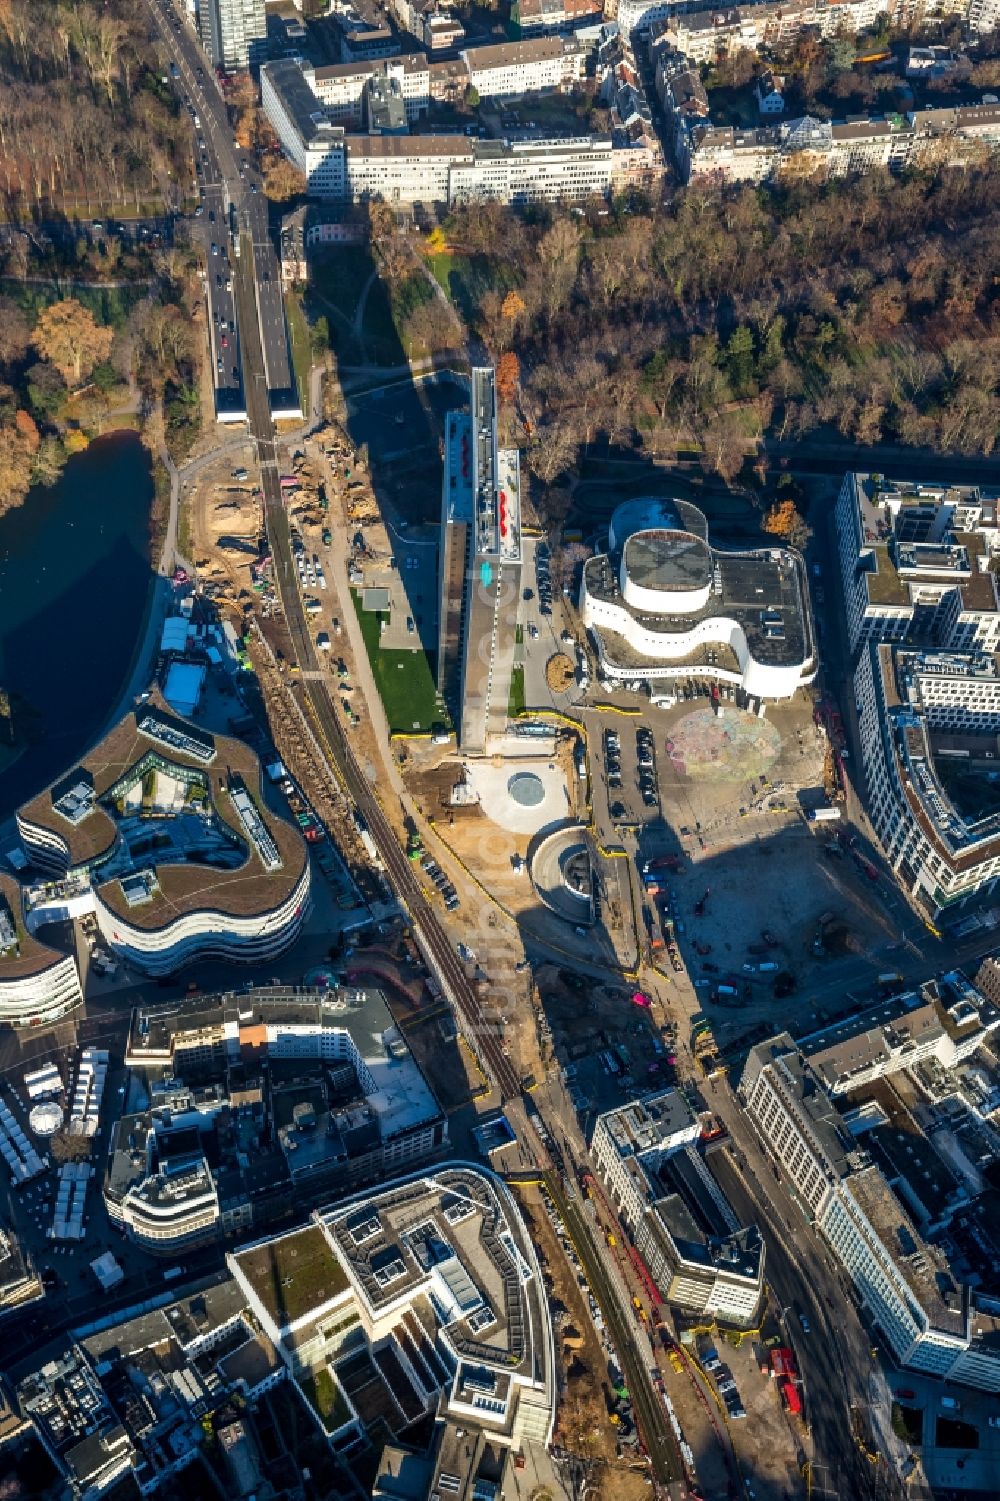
(759, 898)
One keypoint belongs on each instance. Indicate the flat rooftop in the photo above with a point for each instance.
(859, 1042)
(922, 1266)
(452, 1238)
(153, 738)
(294, 1275)
(809, 1099)
(300, 103)
(30, 956)
(209, 1307)
(964, 843)
(646, 1124)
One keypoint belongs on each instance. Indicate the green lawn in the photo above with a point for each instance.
(323, 1393)
(403, 679)
(466, 278)
(516, 704)
(294, 1274)
(298, 332)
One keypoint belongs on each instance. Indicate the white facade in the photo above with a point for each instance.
(445, 169)
(41, 997)
(630, 1145)
(938, 856)
(883, 597)
(635, 614)
(232, 31)
(166, 1215)
(206, 933)
(909, 1294)
(530, 67)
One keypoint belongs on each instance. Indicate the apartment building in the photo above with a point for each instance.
(718, 29)
(700, 1257)
(341, 89)
(533, 17)
(433, 24)
(533, 66)
(439, 169)
(233, 32)
(932, 1323)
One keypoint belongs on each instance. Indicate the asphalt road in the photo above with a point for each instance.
(255, 285)
(228, 176)
(834, 1354)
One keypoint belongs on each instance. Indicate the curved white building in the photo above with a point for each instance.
(164, 835)
(662, 604)
(38, 984)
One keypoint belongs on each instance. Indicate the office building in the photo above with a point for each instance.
(164, 834)
(258, 1102)
(480, 568)
(923, 613)
(923, 718)
(233, 32)
(39, 982)
(663, 604)
(699, 1256)
(427, 1296)
(946, 1022)
(933, 1323)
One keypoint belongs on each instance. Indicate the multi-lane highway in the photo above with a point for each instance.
(232, 199)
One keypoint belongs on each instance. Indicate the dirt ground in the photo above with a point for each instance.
(225, 519)
(498, 856)
(582, 1424)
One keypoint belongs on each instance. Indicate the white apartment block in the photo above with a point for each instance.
(443, 169)
(779, 22)
(810, 147)
(983, 16)
(532, 17)
(904, 1285)
(538, 65)
(697, 1253)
